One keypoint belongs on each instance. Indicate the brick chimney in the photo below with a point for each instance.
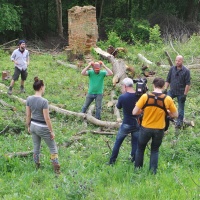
(82, 29)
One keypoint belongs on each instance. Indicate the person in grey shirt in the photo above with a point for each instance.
(39, 124)
(20, 57)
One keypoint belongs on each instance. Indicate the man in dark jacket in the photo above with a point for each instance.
(178, 79)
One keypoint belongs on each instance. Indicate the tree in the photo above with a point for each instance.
(10, 18)
(59, 17)
(192, 10)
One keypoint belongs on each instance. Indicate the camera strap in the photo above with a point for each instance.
(156, 99)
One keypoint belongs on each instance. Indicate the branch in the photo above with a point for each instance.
(7, 105)
(142, 58)
(104, 54)
(8, 42)
(4, 130)
(181, 184)
(88, 117)
(19, 154)
(66, 64)
(169, 58)
(173, 48)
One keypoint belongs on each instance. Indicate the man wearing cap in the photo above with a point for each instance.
(130, 124)
(96, 85)
(20, 57)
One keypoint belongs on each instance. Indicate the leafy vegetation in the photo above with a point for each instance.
(130, 19)
(85, 174)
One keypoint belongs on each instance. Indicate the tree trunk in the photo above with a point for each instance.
(101, 11)
(192, 11)
(59, 17)
(118, 66)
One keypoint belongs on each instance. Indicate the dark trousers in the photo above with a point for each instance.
(123, 131)
(145, 135)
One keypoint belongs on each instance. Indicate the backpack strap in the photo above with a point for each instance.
(157, 100)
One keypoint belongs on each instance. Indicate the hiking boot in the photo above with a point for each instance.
(56, 168)
(9, 91)
(37, 165)
(22, 90)
(178, 125)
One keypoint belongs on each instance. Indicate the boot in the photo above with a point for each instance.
(37, 165)
(56, 167)
(9, 90)
(36, 158)
(22, 90)
(55, 163)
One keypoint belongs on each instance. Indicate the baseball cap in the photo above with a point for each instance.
(21, 41)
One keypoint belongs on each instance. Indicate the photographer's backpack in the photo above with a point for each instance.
(158, 101)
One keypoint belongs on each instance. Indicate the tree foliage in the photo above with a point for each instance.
(10, 18)
(131, 19)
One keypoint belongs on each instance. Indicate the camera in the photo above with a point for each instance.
(141, 86)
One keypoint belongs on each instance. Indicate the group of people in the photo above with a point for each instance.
(154, 112)
(152, 127)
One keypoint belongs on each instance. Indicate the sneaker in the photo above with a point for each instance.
(178, 125)
(110, 163)
(22, 90)
(9, 91)
(37, 165)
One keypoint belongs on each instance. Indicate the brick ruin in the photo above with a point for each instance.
(82, 29)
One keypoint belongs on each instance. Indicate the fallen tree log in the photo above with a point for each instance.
(144, 60)
(112, 103)
(118, 66)
(66, 64)
(84, 116)
(96, 132)
(8, 42)
(88, 117)
(18, 154)
(193, 66)
(7, 105)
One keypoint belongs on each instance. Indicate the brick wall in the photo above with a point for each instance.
(82, 29)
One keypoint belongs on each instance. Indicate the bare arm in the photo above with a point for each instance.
(109, 72)
(166, 85)
(84, 71)
(187, 88)
(28, 60)
(173, 115)
(136, 111)
(48, 122)
(28, 117)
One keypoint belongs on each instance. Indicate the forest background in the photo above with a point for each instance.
(148, 27)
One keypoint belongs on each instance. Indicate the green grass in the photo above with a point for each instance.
(85, 174)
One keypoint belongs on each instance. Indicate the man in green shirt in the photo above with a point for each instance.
(96, 85)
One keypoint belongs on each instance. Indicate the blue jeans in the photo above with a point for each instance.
(181, 106)
(144, 136)
(98, 103)
(123, 131)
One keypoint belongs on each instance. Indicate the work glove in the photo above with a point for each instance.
(183, 98)
(165, 91)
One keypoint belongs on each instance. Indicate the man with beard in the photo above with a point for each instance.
(20, 57)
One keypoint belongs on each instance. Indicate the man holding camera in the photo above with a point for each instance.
(96, 85)
(130, 124)
(153, 123)
(179, 80)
